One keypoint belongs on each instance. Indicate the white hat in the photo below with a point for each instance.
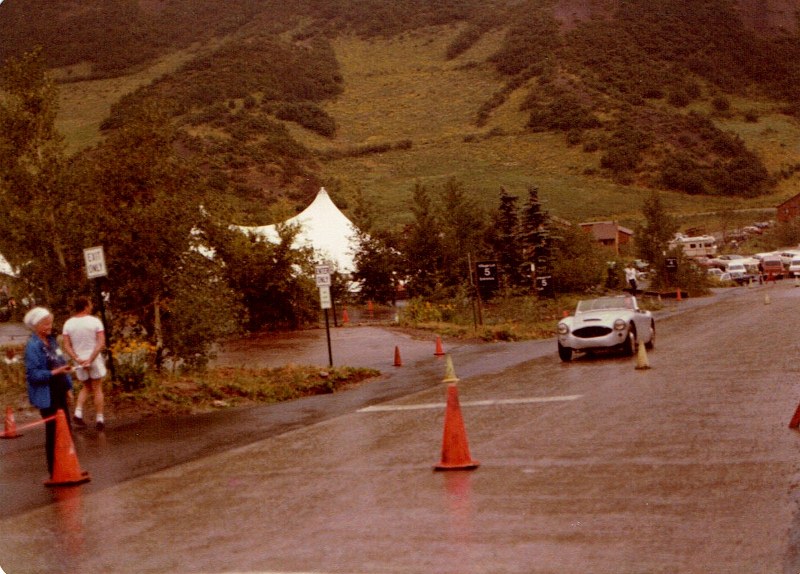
(35, 316)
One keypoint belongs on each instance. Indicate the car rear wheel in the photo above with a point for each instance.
(564, 353)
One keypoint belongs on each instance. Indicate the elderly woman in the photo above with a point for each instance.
(46, 374)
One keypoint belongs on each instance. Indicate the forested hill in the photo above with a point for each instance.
(620, 79)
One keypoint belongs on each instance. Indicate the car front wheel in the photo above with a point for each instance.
(652, 342)
(630, 343)
(564, 353)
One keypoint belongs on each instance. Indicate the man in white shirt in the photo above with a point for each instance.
(630, 277)
(84, 339)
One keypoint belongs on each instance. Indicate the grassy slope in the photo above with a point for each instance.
(404, 88)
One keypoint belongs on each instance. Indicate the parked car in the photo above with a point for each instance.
(736, 270)
(772, 266)
(614, 322)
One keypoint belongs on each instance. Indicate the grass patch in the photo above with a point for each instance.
(215, 389)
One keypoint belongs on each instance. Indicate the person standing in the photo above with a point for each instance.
(630, 277)
(84, 340)
(46, 376)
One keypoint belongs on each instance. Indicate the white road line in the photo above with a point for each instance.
(488, 403)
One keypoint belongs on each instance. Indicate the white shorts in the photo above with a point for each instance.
(97, 370)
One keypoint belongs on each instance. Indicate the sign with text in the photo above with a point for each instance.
(325, 297)
(486, 272)
(95, 262)
(322, 275)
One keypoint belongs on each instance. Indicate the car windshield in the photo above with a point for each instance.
(601, 303)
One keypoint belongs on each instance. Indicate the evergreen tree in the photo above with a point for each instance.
(534, 235)
(504, 240)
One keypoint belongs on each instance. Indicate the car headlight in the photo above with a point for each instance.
(563, 329)
(619, 324)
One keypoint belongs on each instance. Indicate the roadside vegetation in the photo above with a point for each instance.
(146, 392)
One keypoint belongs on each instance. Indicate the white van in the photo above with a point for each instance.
(794, 266)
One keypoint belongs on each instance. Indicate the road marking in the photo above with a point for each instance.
(487, 403)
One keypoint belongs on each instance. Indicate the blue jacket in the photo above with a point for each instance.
(37, 369)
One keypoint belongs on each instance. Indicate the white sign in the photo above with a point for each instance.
(325, 297)
(95, 262)
(322, 274)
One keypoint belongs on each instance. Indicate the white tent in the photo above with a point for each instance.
(323, 228)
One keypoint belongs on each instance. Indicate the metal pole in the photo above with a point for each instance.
(328, 334)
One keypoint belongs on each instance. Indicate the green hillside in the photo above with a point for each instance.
(274, 100)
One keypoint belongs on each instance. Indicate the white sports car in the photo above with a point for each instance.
(606, 322)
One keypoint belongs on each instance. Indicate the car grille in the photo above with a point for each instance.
(590, 332)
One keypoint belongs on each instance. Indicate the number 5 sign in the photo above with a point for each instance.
(95, 262)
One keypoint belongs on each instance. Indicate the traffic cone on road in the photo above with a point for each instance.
(449, 372)
(455, 449)
(11, 425)
(439, 352)
(641, 357)
(795, 422)
(678, 295)
(345, 317)
(397, 361)
(66, 469)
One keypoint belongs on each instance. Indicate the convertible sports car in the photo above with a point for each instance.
(606, 322)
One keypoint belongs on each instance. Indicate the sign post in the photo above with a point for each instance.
(322, 275)
(95, 269)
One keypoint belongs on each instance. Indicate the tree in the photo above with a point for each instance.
(142, 203)
(534, 234)
(577, 263)
(653, 237)
(33, 197)
(422, 245)
(461, 232)
(377, 264)
(503, 239)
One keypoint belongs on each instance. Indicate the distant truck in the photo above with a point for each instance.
(697, 246)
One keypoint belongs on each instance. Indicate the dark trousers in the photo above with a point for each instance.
(58, 401)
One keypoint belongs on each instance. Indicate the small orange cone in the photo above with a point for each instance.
(795, 419)
(370, 309)
(439, 352)
(345, 317)
(678, 295)
(11, 425)
(455, 450)
(397, 361)
(66, 469)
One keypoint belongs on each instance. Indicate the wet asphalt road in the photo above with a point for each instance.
(592, 466)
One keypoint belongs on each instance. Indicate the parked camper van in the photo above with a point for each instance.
(699, 246)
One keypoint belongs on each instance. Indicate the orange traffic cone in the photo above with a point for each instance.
(795, 422)
(11, 425)
(345, 317)
(397, 361)
(370, 309)
(455, 450)
(678, 295)
(439, 352)
(66, 469)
